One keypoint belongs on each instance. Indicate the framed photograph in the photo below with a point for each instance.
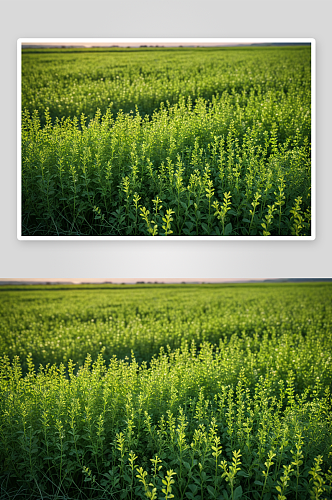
(166, 139)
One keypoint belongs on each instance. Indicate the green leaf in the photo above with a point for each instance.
(211, 491)
(189, 225)
(127, 477)
(203, 475)
(189, 495)
(225, 495)
(193, 487)
(237, 493)
(228, 229)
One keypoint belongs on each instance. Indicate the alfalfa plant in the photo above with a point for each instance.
(281, 197)
(297, 217)
(126, 189)
(229, 474)
(221, 213)
(152, 228)
(216, 452)
(283, 483)
(136, 199)
(316, 483)
(254, 204)
(167, 222)
(298, 459)
(142, 476)
(266, 225)
(268, 464)
(168, 481)
(209, 194)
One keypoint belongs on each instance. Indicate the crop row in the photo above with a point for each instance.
(215, 169)
(125, 431)
(291, 323)
(71, 83)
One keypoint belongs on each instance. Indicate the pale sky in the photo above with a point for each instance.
(130, 280)
(148, 43)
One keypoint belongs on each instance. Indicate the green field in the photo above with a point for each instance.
(150, 391)
(166, 142)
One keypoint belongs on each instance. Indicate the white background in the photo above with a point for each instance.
(177, 19)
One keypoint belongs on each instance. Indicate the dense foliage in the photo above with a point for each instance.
(213, 141)
(196, 391)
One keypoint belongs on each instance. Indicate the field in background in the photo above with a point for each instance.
(176, 141)
(149, 391)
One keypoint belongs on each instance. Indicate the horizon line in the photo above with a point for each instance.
(117, 281)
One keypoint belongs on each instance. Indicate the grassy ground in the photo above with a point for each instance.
(189, 142)
(196, 391)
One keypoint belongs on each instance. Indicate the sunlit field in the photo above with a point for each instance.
(166, 391)
(166, 141)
